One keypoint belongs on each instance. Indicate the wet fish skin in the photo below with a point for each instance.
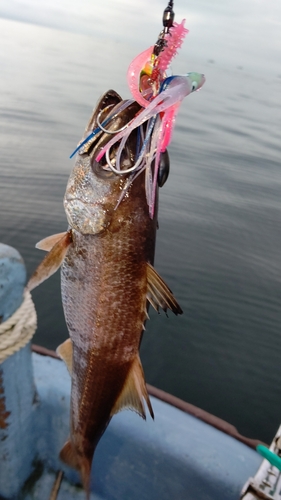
(106, 259)
(104, 289)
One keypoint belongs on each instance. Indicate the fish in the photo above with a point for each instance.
(108, 280)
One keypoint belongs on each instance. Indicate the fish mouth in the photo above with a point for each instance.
(111, 115)
(94, 190)
(108, 99)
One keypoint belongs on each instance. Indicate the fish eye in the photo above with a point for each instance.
(194, 86)
(164, 168)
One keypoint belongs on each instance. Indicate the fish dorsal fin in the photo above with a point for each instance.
(65, 352)
(51, 263)
(134, 392)
(158, 293)
(48, 243)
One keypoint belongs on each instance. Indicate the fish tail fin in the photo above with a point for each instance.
(85, 471)
(69, 456)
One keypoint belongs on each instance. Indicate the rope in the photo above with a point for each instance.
(18, 330)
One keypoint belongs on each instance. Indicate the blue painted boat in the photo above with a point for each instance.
(185, 454)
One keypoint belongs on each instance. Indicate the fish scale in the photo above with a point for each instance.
(107, 279)
(104, 286)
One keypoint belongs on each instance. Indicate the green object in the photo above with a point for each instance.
(269, 455)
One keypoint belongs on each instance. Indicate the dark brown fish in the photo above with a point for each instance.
(107, 279)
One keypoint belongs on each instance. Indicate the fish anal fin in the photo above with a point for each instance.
(52, 261)
(48, 243)
(134, 392)
(65, 352)
(152, 301)
(159, 294)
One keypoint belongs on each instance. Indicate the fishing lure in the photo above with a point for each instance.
(159, 96)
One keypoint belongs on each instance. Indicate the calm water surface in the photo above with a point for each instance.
(219, 241)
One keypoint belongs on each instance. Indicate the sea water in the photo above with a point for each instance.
(218, 245)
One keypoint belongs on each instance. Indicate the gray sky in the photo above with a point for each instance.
(245, 32)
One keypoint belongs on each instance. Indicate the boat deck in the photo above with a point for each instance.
(176, 456)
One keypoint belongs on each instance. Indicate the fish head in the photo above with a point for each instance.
(93, 189)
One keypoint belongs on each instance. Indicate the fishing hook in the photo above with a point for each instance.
(101, 126)
(141, 154)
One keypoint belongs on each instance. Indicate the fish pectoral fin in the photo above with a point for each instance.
(134, 392)
(48, 243)
(52, 261)
(159, 294)
(65, 352)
